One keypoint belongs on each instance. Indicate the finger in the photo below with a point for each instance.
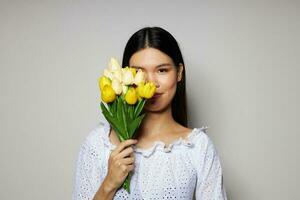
(126, 168)
(123, 145)
(126, 152)
(130, 167)
(127, 161)
(131, 155)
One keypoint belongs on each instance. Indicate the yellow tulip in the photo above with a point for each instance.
(103, 81)
(146, 90)
(140, 90)
(137, 93)
(131, 96)
(108, 94)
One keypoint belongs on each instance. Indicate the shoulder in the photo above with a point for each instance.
(202, 139)
(204, 146)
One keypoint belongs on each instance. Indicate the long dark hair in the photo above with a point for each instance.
(162, 40)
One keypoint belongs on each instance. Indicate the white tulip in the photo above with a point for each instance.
(108, 74)
(118, 75)
(127, 76)
(125, 88)
(140, 77)
(116, 85)
(114, 65)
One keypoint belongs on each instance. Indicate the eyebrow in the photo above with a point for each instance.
(161, 65)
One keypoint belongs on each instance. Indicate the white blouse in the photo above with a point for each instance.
(189, 168)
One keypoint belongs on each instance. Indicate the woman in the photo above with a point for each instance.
(167, 159)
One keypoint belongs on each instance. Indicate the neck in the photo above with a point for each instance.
(155, 123)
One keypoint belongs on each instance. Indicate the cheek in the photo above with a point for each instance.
(168, 88)
(168, 84)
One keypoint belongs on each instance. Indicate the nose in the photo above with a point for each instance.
(152, 78)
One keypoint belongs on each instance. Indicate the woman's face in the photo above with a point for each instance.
(159, 68)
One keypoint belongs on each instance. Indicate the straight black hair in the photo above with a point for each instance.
(159, 38)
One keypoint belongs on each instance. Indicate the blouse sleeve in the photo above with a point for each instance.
(88, 171)
(210, 186)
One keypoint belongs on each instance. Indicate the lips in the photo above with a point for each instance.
(156, 95)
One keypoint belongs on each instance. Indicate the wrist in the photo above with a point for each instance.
(108, 187)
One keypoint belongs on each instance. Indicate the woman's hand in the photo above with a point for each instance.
(120, 163)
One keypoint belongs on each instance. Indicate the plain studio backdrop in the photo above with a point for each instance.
(242, 65)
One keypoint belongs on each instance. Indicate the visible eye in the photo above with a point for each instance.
(163, 70)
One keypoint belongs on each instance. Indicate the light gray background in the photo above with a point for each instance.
(242, 76)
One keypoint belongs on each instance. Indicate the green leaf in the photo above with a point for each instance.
(131, 112)
(119, 110)
(125, 106)
(126, 183)
(114, 108)
(135, 124)
(109, 108)
(114, 122)
(111, 121)
(139, 107)
(104, 109)
(127, 110)
(124, 117)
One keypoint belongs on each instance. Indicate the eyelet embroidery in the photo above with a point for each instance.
(157, 145)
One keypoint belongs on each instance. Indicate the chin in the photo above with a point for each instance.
(152, 106)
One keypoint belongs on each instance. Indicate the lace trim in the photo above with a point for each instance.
(157, 145)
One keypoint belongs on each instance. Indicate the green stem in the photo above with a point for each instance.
(126, 184)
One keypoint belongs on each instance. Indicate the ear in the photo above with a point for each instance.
(179, 72)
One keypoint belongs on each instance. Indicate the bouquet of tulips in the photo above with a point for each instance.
(124, 92)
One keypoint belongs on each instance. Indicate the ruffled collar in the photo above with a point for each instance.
(157, 145)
